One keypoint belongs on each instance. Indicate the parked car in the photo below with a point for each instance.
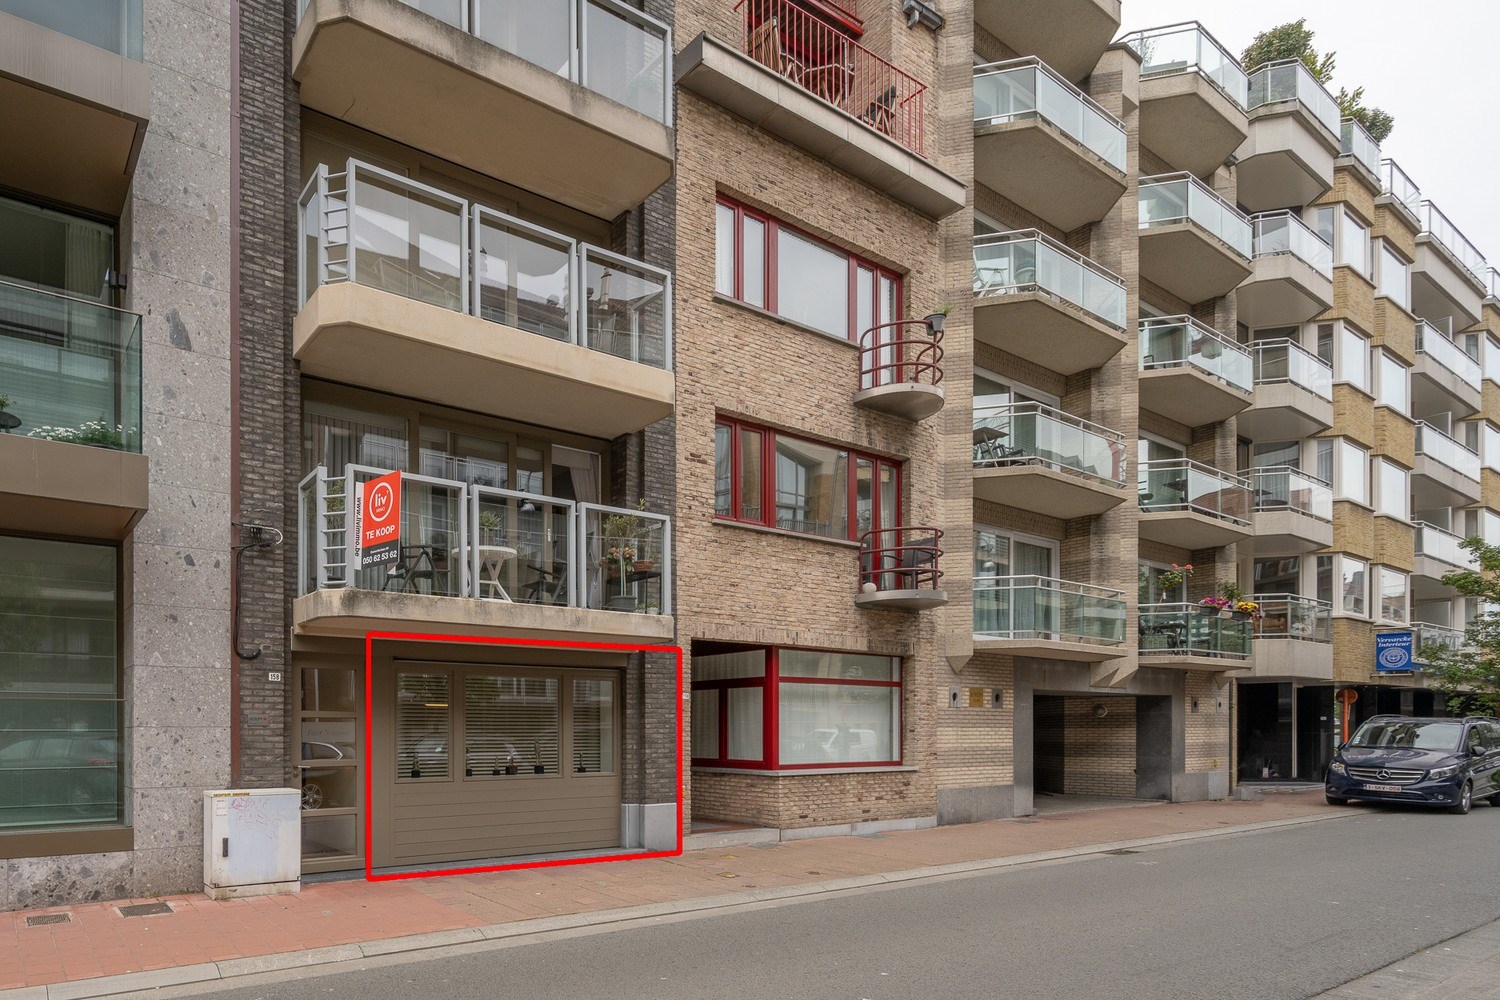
(1435, 762)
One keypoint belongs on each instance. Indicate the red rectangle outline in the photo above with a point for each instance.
(370, 638)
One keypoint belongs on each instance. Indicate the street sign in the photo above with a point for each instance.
(1393, 652)
(379, 518)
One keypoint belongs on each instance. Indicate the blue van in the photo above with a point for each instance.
(1436, 762)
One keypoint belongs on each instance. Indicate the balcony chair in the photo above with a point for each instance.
(874, 106)
(764, 46)
(549, 587)
(414, 565)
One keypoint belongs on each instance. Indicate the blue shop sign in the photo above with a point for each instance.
(1393, 652)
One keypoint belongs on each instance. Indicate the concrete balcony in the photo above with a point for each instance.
(1193, 243)
(1043, 144)
(1192, 506)
(1400, 193)
(901, 368)
(1193, 97)
(1191, 637)
(1359, 150)
(1289, 154)
(1048, 619)
(898, 569)
(1190, 373)
(1037, 299)
(1042, 460)
(1293, 510)
(1293, 393)
(70, 434)
(1446, 473)
(1293, 274)
(1449, 276)
(1026, 27)
(1445, 377)
(1436, 553)
(580, 338)
(587, 84)
(1293, 639)
(75, 100)
(1426, 635)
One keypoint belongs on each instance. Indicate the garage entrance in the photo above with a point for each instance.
(1099, 747)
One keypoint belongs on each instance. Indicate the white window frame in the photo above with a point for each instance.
(1361, 461)
(1347, 338)
(1381, 365)
(1378, 573)
(1348, 221)
(1340, 559)
(1382, 469)
(1381, 252)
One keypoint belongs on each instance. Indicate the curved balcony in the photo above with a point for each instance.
(1294, 138)
(1025, 26)
(1358, 148)
(1055, 619)
(1293, 638)
(1193, 97)
(1445, 377)
(1446, 473)
(1448, 278)
(1193, 243)
(1293, 510)
(1192, 506)
(901, 368)
(898, 569)
(1042, 143)
(1191, 637)
(1190, 373)
(1040, 300)
(1042, 460)
(1293, 393)
(1292, 279)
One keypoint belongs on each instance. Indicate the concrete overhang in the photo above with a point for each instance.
(1044, 490)
(1050, 649)
(1190, 263)
(73, 117)
(375, 339)
(1435, 485)
(70, 489)
(1436, 388)
(1286, 160)
(386, 66)
(1283, 290)
(1045, 330)
(1285, 411)
(1175, 659)
(737, 83)
(1441, 286)
(1291, 660)
(1029, 27)
(1189, 122)
(1046, 172)
(1289, 530)
(1188, 529)
(1190, 395)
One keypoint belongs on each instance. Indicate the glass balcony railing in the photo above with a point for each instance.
(1425, 635)
(607, 46)
(466, 540)
(1398, 186)
(112, 25)
(1282, 360)
(1443, 449)
(1444, 546)
(378, 229)
(1434, 344)
(1279, 487)
(1173, 198)
(1027, 260)
(1174, 341)
(1180, 484)
(1033, 434)
(1023, 89)
(1436, 225)
(1288, 616)
(1036, 607)
(1356, 142)
(1492, 284)
(70, 369)
(1283, 233)
(1192, 630)
(1188, 48)
(1290, 80)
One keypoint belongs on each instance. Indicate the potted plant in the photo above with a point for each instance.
(510, 764)
(536, 755)
(489, 527)
(1172, 579)
(1215, 605)
(8, 421)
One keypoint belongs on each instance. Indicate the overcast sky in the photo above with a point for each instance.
(1429, 64)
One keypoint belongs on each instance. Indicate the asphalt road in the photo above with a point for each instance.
(1285, 913)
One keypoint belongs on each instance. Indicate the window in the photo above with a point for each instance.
(1322, 223)
(1393, 593)
(61, 714)
(1278, 575)
(1489, 445)
(1393, 279)
(1392, 383)
(1353, 361)
(1346, 466)
(1354, 244)
(510, 725)
(593, 726)
(1391, 491)
(1150, 589)
(766, 263)
(816, 489)
(795, 708)
(424, 726)
(1276, 454)
(1353, 586)
(54, 250)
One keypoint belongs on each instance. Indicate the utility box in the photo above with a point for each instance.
(252, 842)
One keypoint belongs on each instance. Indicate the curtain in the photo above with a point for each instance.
(584, 468)
(89, 252)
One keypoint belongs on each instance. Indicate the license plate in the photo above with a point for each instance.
(1382, 788)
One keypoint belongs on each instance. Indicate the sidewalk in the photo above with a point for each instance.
(1466, 967)
(201, 939)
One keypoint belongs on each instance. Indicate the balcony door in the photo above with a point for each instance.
(56, 251)
(1009, 574)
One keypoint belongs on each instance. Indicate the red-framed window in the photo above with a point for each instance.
(776, 480)
(772, 707)
(767, 263)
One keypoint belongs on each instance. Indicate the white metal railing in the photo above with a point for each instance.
(1027, 259)
(479, 542)
(1356, 142)
(1033, 434)
(1175, 484)
(1444, 546)
(1172, 198)
(1280, 487)
(607, 46)
(1291, 616)
(1401, 188)
(1030, 607)
(1426, 634)
(1438, 226)
(1436, 345)
(1183, 48)
(1291, 80)
(1284, 360)
(1027, 88)
(379, 229)
(1446, 451)
(1279, 233)
(1174, 341)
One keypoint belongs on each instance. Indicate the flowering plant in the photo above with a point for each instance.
(93, 432)
(1219, 603)
(1174, 577)
(618, 557)
(1249, 608)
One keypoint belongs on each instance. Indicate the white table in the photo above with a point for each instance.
(492, 559)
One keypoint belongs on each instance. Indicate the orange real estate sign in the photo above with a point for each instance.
(379, 520)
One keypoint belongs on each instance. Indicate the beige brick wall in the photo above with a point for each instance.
(976, 745)
(1099, 755)
(1393, 226)
(1394, 545)
(1395, 330)
(1353, 299)
(1353, 529)
(1353, 415)
(1354, 651)
(1206, 729)
(1395, 436)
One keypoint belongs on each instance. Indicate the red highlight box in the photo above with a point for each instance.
(370, 638)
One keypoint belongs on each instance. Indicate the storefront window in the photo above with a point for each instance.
(510, 725)
(593, 726)
(423, 726)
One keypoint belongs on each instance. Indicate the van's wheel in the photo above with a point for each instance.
(1465, 801)
(1334, 800)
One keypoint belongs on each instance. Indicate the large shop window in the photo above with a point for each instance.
(60, 669)
(776, 480)
(777, 708)
(768, 264)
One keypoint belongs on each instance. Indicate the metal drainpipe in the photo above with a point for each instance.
(234, 372)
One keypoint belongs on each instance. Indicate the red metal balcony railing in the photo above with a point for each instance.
(904, 558)
(826, 62)
(906, 352)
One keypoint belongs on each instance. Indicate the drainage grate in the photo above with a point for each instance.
(144, 909)
(43, 919)
(1123, 850)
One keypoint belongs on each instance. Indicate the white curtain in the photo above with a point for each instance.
(583, 466)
